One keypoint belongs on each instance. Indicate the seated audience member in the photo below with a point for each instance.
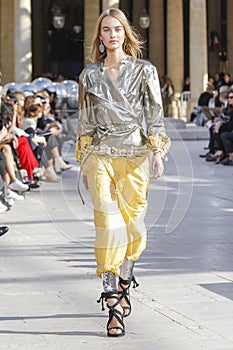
(222, 115)
(33, 112)
(43, 141)
(5, 204)
(7, 146)
(206, 107)
(227, 140)
(20, 106)
(25, 154)
(48, 122)
(206, 96)
(225, 124)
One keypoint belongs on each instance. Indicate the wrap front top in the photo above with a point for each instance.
(122, 115)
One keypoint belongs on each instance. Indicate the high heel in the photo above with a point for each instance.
(124, 294)
(113, 313)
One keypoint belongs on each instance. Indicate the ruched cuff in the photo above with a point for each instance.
(159, 142)
(82, 145)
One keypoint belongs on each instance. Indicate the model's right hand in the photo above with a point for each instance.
(156, 165)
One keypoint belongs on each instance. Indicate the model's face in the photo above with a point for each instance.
(112, 33)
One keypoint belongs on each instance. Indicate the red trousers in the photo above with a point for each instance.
(26, 156)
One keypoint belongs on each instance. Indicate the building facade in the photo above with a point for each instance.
(184, 38)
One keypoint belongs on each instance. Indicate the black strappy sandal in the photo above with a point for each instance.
(124, 294)
(113, 313)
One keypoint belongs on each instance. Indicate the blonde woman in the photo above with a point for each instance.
(121, 142)
(20, 106)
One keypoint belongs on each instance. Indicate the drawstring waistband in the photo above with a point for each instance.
(110, 151)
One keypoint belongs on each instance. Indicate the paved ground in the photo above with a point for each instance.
(48, 287)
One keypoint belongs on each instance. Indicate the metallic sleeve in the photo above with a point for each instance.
(153, 112)
(86, 121)
(86, 115)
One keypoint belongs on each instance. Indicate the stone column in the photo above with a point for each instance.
(175, 43)
(23, 50)
(7, 41)
(198, 48)
(156, 35)
(15, 45)
(229, 36)
(91, 14)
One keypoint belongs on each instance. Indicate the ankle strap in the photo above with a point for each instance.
(107, 295)
(128, 282)
(125, 282)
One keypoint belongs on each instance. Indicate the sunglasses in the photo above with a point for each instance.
(230, 97)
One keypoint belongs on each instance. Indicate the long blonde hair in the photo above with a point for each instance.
(20, 109)
(132, 44)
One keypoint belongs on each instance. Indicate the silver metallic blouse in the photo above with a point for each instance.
(124, 114)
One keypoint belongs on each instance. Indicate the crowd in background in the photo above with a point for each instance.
(32, 134)
(214, 110)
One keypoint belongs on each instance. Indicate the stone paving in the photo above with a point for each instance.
(48, 287)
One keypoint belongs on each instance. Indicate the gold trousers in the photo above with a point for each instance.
(118, 188)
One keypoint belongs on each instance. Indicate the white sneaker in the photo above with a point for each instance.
(17, 185)
(15, 196)
(3, 208)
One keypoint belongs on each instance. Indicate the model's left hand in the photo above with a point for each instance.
(156, 165)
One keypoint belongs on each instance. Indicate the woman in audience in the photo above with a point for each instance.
(55, 139)
(34, 112)
(227, 140)
(7, 145)
(20, 106)
(44, 140)
(25, 154)
(221, 126)
(5, 204)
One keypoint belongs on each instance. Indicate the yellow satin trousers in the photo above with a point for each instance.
(118, 188)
